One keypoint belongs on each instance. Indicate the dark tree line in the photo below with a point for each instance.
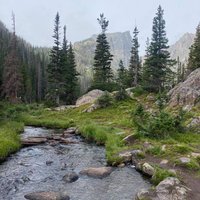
(32, 74)
(25, 64)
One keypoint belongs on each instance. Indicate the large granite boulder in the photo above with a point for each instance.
(187, 93)
(168, 189)
(89, 98)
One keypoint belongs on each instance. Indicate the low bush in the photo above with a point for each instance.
(157, 125)
(121, 95)
(161, 174)
(105, 100)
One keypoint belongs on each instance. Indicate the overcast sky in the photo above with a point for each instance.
(35, 18)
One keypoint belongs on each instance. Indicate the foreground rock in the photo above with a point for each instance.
(89, 98)
(47, 196)
(99, 172)
(146, 169)
(187, 93)
(168, 189)
(70, 177)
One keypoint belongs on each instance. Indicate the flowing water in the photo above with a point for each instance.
(27, 171)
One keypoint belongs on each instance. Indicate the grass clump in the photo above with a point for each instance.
(161, 174)
(9, 138)
(182, 149)
(156, 150)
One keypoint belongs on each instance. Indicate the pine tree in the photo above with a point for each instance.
(157, 74)
(102, 59)
(11, 75)
(54, 69)
(122, 74)
(194, 58)
(71, 77)
(135, 65)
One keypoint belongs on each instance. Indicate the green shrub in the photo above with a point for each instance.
(138, 91)
(160, 175)
(121, 95)
(157, 150)
(158, 125)
(105, 100)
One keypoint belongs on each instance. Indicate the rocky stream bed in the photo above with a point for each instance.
(60, 171)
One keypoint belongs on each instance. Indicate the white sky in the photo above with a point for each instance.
(35, 18)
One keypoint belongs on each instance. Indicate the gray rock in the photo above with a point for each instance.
(186, 93)
(168, 189)
(70, 177)
(89, 98)
(184, 160)
(194, 123)
(71, 130)
(145, 168)
(98, 172)
(50, 195)
(148, 169)
(129, 139)
(195, 155)
(126, 156)
(164, 162)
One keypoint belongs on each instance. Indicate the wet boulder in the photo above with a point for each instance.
(98, 172)
(47, 196)
(70, 177)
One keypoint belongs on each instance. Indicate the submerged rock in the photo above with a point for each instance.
(99, 172)
(47, 196)
(70, 177)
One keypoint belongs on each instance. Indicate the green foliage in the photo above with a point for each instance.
(194, 58)
(112, 86)
(122, 76)
(102, 59)
(157, 74)
(121, 95)
(156, 150)
(158, 125)
(160, 174)
(135, 64)
(138, 91)
(105, 100)
(182, 149)
(9, 138)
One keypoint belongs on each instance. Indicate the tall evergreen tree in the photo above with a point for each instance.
(11, 87)
(54, 69)
(71, 77)
(157, 74)
(135, 66)
(102, 59)
(122, 74)
(194, 58)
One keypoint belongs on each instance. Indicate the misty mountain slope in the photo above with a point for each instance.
(182, 47)
(120, 44)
